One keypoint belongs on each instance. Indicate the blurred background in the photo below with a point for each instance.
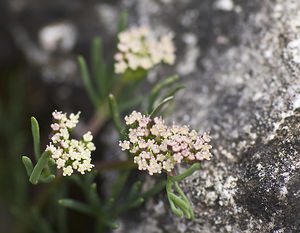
(39, 42)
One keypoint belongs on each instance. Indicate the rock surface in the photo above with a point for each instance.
(241, 67)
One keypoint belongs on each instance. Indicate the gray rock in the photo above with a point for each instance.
(244, 87)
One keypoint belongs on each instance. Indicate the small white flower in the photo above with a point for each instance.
(57, 154)
(132, 118)
(64, 133)
(125, 145)
(55, 138)
(206, 137)
(57, 115)
(60, 163)
(142, 144)
(55, 127)
(178, 157)
(67, 171)
(88, 137)
(51, 148)
(91, 146)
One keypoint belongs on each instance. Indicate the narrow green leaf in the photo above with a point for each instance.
(119, 184)
(109, 203)
(128, 205)
(135, 190)
(186, 173)
(98, 66)
(93, 197)
(61, 212)
(28, 165)
(76, 205)
(35, 129)
(89, 177)
(174, 209)
(52, 169)
(160, 106)
(94, 186)
(178, 212)
(184, 197)
(115, 112)
(51, 162)
(158, 88)
(173, 91)
(181, 204)
(37, 170)
(40, 224)
(123, 21)
(136, 203)
(180, 192)
(87, 81)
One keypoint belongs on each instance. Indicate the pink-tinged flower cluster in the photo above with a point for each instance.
(157, 147)
(70, 154)
(139, 49)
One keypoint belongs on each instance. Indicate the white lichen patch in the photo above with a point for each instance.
(58, 36)
(296, 102)
(292, 51)
(218, 188)
(224, 5)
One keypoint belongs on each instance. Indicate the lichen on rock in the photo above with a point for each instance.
(245, 89)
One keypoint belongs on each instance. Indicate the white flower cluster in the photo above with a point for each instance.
(157, 147)
(70, 154)
(137, 48)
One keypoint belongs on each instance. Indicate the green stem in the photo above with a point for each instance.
(186, 173)
(76, 205)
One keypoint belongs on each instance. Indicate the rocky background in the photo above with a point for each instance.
(240, 63)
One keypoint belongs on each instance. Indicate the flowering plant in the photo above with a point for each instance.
(157, 148)
(151, 144)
